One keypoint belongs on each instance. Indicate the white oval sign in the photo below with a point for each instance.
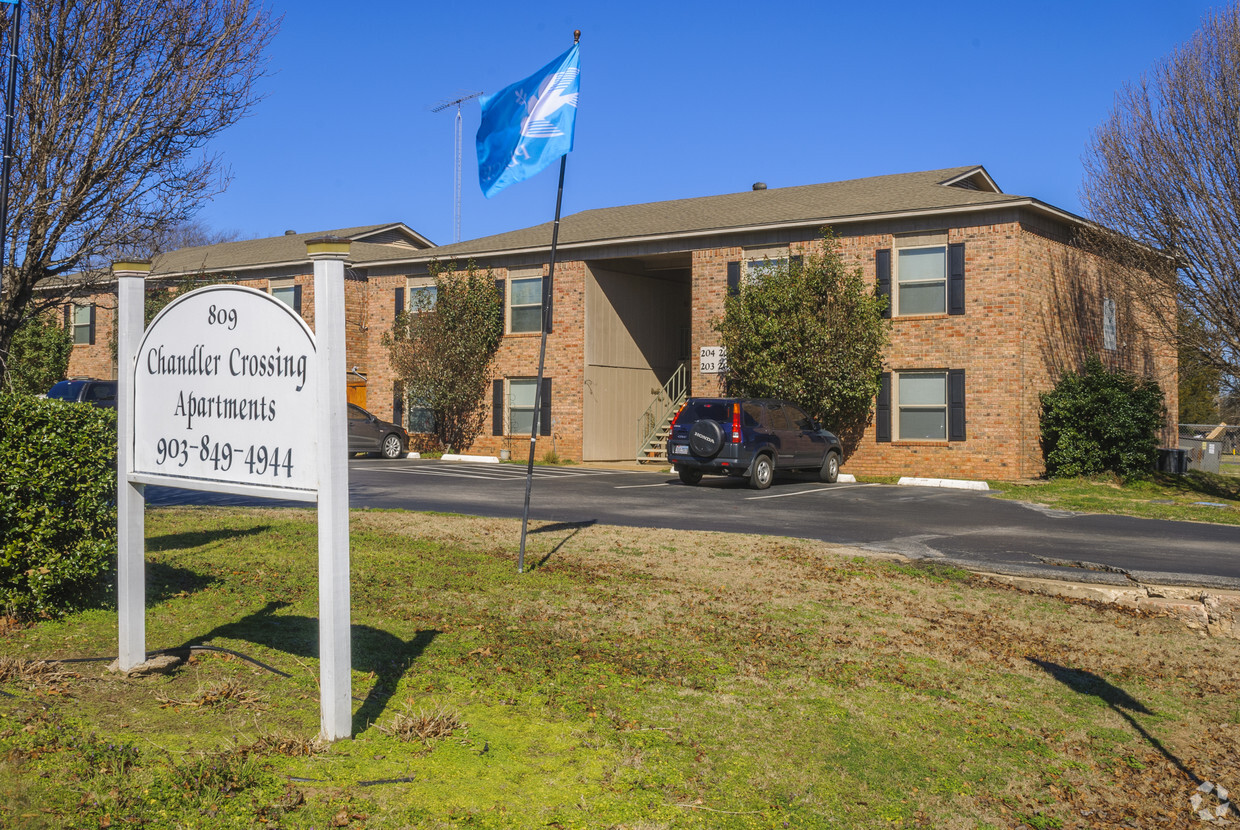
(225, 392)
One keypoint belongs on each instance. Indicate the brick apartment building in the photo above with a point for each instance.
(990, 301)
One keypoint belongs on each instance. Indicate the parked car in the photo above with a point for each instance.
(372, 435)
(100, 393)
(747, 437)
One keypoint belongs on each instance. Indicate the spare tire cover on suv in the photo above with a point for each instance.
(706, 438)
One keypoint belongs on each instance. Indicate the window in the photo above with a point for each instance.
(289, 294)
(420, 419)
(927, 276)
(83, 323)
(761, 261)
(525, 304)
(921, 280)
(422, 297)
(521, 406)
(1108, 324)
(922, 401)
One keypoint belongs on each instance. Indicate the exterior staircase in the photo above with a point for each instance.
(655, 424)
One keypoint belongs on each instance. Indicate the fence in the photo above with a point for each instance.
(1211, 448)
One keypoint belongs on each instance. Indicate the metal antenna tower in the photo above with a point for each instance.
(456, 183)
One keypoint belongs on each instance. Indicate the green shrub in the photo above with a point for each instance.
(57, 503)
(1098, 421)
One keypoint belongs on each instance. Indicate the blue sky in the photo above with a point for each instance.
(678, 99)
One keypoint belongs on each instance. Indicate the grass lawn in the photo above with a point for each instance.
(631, 679)
(1195, 497)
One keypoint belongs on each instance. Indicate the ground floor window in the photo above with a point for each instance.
(512, 406)
(521, 406)
(922, 403)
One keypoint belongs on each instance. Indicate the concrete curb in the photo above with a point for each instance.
(477, 459)
(1212, 612)
(958, 484)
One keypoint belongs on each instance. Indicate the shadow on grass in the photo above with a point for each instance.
(1087, 683)
(575, 527)
(374, 650)
(198, 538)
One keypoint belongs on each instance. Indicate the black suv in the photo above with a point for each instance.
(748, 437)
(101, 393)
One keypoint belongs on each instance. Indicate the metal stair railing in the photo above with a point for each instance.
(661, 409)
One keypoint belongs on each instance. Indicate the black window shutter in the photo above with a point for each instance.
(400, 301)
(499, 289)
(69, 318)
(882, 271)
(734, 278)
(92, 324)
(297, 298)
(398, 404)
(955, 278)
(548, 302)
(544, 408)
(497, 405)
(955, 405)
(882, 411)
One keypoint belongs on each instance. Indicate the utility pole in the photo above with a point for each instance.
(10, 102)
(456, 183)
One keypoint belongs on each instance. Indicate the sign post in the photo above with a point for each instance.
(335, 649)
(130, 498)
(229, 391)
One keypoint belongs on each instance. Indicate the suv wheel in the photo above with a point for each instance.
(830, 468)
(761, 473)
(689, 476)
(391, 446)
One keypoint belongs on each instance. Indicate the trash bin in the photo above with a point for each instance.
(1172, 460)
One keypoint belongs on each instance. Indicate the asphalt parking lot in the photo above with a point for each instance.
(967, 528)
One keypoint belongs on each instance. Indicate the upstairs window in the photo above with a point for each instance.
(83, 322)
(289, 294)
(921, 280)
(525, 305)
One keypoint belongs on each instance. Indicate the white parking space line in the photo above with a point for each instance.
(484, 473)
(831, 489)
(631, 486)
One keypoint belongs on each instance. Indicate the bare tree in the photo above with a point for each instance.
(1164, 172)
(118, 100)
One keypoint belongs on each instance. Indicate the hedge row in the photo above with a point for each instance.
(57, 503)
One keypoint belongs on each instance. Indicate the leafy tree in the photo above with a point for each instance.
(811, 331)
(1098, 420)
(38, 356)
(1162, 172)
(443, 350)
(117, 103)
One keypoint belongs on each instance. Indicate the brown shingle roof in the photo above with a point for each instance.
(276, 250)
(815, 204)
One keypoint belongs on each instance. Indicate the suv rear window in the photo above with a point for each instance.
(720, 411)
(66, 390)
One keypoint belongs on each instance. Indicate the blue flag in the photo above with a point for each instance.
(528, 125)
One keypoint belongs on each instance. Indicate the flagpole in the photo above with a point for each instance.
(542, 353)
(542, 361)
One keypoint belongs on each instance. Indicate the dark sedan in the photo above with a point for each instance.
(369, 434)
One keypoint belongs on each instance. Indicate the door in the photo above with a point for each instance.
(785, 436)
(364, 433)
(811, 444)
